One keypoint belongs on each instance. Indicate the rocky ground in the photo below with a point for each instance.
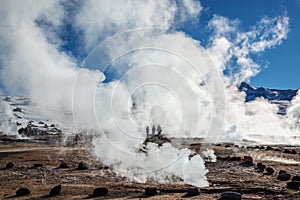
(40, 166)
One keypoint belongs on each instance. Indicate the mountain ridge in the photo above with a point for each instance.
(281, 98)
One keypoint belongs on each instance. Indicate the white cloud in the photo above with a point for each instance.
(100, 18)
(231, 48)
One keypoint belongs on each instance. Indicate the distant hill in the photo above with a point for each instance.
(280, 97)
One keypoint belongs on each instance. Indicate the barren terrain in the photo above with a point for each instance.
(36, 167)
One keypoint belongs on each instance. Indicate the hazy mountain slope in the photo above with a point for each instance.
(280, 97)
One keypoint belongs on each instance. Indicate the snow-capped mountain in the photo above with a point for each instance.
(280, 97)
(18, 115)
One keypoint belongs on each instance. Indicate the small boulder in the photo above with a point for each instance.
(99, 192)
(263, 167)
(287, 151)
(55, 191)
(282, 171)
(248, 158)
(268, 148)
(293, 151)
(63, 165)
(82, 166)
(191, 192)
(246, 163)
(37, 165)
(231, 196)
(234, 158)
(284, 176)
(293, 185)
(22, 130)
(226, 158)
(260, 167)
(296, 179)
(17, 109)
(10, 165)
(269, 171)
(22, 192)
(276, 149)
(150, 191)
(219, 158)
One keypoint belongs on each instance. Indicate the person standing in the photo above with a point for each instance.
(147, 131)
(159, 130)
(153, 130)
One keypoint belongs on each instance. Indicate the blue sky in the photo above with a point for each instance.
(283, 61)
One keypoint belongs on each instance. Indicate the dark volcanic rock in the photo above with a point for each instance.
(260, 167)
(150, 191)
(219, 158)
(231, 196)
(263, 167)
(276, 149)
(284, 177)
(296, 178)
(269, 170)
(293, 185)
(246, 163)
(10, 165)
(234, 158)
(22, 192)
(99, 192)
(55, 191)
(37, 165)
(22, 130)
(269, 148)
(82, 166)
(248, 158)
(293, 152)
(287, 151)
(63, 165)
(17, 109)
(282, 171)
(191, 192)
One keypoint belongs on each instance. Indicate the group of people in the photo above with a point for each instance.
(158, 129)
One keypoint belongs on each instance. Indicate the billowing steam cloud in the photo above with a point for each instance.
(142, 73)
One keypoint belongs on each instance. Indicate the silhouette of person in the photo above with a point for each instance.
(147, 130)
(159, 130)
(153, 130)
